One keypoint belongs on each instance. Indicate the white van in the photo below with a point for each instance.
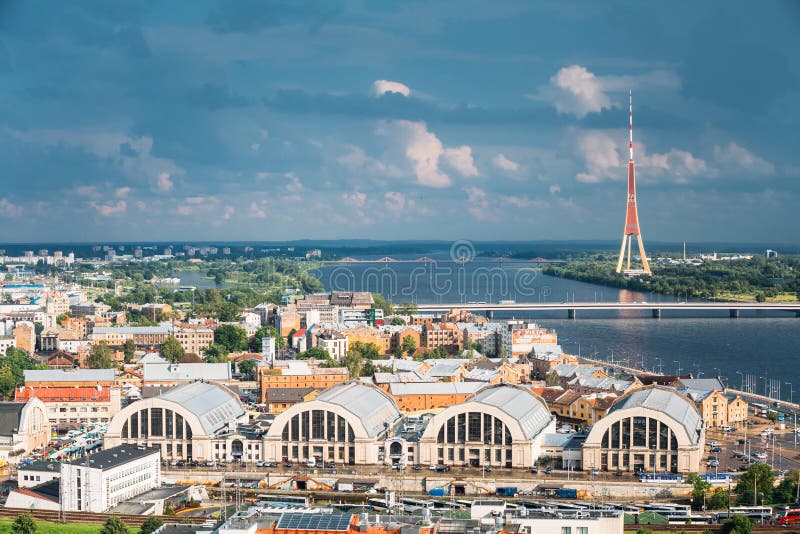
(312, 462)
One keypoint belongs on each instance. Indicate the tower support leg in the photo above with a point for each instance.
(645, 263)
(621, 254)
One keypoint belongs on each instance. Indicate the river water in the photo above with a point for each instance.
(704, 343)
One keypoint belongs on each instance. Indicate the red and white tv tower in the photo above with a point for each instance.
(632, 214)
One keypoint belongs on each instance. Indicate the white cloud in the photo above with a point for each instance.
(256, 212)
(577, 91)
(460, 159)
(228, 212)
(396, 202)
(606, 161)
(501, 161)
(87, 191)
(737, 157)
(356, 199)
(255, 147)
(164, 182)
(599, 150)
(554, 189)
(184, 209)
(354, 158)
(122, 192)
(381, 87)
(479, 203)
(423, 150)
(111, 208)
(294, 185)
(9, 209)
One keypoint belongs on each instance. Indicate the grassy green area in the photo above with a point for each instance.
(59, 528)
(751, 297)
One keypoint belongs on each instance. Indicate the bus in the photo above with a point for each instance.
(672, 511)
(418, 503)
(718, 479)
(759, 409)
(661, 478)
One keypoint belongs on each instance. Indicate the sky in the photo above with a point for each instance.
(284, 119)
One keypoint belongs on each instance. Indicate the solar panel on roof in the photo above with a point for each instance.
(330, 522)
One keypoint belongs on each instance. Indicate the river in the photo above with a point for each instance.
(703, 343)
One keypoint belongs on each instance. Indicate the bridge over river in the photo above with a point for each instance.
(572, 308)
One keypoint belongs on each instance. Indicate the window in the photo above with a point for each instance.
(639, 431)
(474, 426)
(582, 530)
(566, 530)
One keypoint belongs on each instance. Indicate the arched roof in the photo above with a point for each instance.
(214, 405)
(371, 405)
(667, 401)
(521, 404)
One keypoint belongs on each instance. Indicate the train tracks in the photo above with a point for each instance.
(54, 516)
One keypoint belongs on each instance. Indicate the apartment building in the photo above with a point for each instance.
(142, 336)
(98, 482)
(194, 338)
(298, 374)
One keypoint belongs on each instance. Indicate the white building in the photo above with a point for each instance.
(348, 423)
(268, 349)
(23, 427)
(653, 429)
(182, 373)
(194, 421)
(334, 342)
(100, 481)
(499, 426)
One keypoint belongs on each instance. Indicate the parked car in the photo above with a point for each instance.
(534, 470)
(716, 449)
(714, 443)
(595, 472)
(288, 463)
(442, 468)
(547, 470)
(416, 467)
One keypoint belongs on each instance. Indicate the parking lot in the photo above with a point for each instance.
(778, 449)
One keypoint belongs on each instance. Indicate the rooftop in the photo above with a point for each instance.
(667, 401)
(520, 404)
(368, 403)
(114, 457)
(165, 372)
(10, 414)
(214, 405)
(69, 375)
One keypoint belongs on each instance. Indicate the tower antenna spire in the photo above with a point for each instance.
(630, 122)
(632, 213)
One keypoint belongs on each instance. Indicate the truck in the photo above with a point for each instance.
(565, 493)
(437, 492)
(509, 491)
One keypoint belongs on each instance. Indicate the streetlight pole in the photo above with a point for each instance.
(742, 379)
(679, 366)
(791, 393)
(766, 393)
(660, 367)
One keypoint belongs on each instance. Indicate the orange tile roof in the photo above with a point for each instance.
(56, 394)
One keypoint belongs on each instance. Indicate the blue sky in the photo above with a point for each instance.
(277, 120)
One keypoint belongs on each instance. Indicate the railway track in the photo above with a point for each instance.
(54, 516)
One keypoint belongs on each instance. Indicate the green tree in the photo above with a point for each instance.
(397, 321)
(719, 499)
(266, 331)
(436, 353)
(246, 367)
(738, 524)
(407, 308)
(318, 353)
(150, 525)
(23, 524)
(114, 525)
(129, 348)
(7, 383)
(756, 485)
(232, 337)
(100, 357)
(172, 350)
(409, 345)
(700, 488)
(215, 353)
(786, 492)
(61, 318)
(553, 379)
(18, 361)
(382, 304)
(354, 363)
